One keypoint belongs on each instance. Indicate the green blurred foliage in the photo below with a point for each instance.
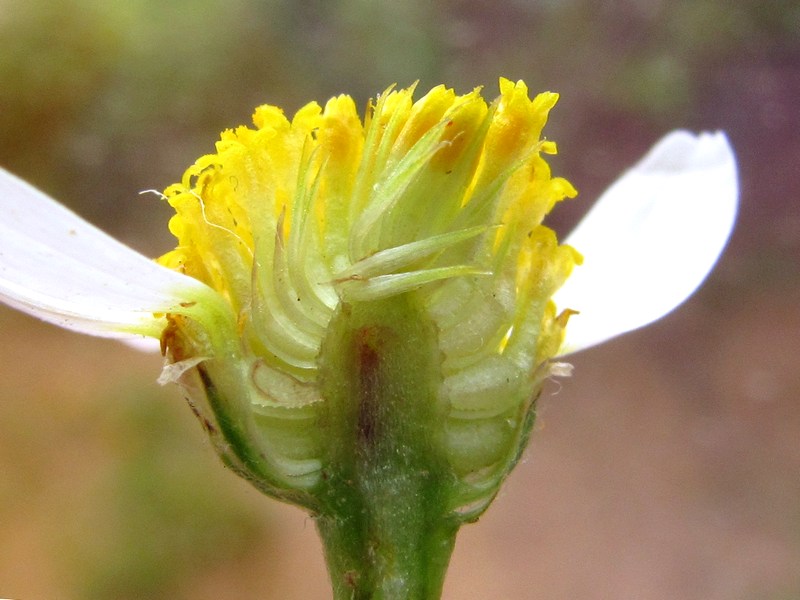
(54, 58)
(158, 517)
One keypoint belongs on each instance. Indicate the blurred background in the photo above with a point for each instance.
(667, 468)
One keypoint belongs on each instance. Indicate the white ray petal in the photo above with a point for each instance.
(651, 239)
(56, 266)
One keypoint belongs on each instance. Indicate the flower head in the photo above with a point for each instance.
(429, 211)
(442, 197)
(347, 291)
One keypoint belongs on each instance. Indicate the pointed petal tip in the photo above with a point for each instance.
(652, 237)
(683, 150)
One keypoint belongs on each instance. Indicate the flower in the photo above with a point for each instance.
(363, 312)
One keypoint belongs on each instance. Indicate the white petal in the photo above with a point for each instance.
(56, 266)
(652, 238)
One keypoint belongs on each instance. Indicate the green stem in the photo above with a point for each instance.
(386, 525)
(390, 558)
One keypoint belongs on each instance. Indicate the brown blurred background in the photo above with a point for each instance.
(667, 468)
